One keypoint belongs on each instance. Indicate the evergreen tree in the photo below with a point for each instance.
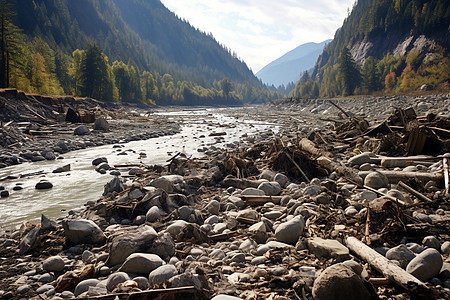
(349, 71)
(370, 75)
(9, 42)
(226, 86)
(95, 76)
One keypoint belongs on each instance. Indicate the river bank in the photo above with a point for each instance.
(277, 215)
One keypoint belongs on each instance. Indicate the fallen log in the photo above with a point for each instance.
(261, 200)
(393, 162)
(385, 267)
(396, 176)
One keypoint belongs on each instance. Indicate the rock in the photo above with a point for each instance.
(47, 224)
(88, 257)
(43, 185)
(4, 194)
(431, 242)
(168, 183)
(141, 263)
(162, 274)
(184, 280)
(328, 249)
(402, 254)
(46, 278)
(23, 289)
(130, 241)
(175, 228)
(376, 180)
(272, 188)
(225, 297)
(445, 248)
(29, 241)
(249, 214)
(267, 174)
(281, 179)
(163, 245)
(50, 155)
(82, 130)
(258, 232)
(359, 159)
(115, 185)
(339, 282)
(252, 192)
(184, 212)
(84, 285)
(213, 207)
(65, 168)
(153, 214)
(101, 124)
(53, 264)
(99, 161)
(312, 190)
(83, 232)
(44, 289)
(426, 265)
(289, 232)
(115, 279)
(135, 194)
(142, 282)
(273, 215)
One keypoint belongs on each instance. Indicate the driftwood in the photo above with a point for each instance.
(261, 200)
(396, 176)
(446, 174)
(414, 192)
(384, 266)
(393, 162)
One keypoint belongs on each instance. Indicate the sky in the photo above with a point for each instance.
(260, 31)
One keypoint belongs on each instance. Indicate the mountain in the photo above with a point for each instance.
(187, 66)
(291, 65)
(397, 46)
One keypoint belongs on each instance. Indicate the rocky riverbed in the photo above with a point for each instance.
(344, 202)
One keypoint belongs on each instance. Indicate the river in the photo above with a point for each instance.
(73, 189)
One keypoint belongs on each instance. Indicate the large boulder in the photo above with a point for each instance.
(141, 263)
(115, 185)
(289, 232)
(128, 241)
(339, 282)
(83, 232)
(101, 124)
(426, 265)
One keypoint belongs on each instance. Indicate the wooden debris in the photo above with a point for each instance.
(385, 267)
(414, 192)
(396, 176)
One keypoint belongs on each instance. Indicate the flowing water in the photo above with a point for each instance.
(73, 189)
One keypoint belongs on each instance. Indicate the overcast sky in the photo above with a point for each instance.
(260, 31)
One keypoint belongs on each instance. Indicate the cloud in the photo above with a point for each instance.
(260, 31)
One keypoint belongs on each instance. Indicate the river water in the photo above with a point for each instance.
(73, 189)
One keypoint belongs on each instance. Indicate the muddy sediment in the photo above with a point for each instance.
(274, 217)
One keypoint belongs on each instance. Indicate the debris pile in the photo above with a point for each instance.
(323, 214)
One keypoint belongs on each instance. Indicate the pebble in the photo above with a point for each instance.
(431, 242)
(23, 289)
(272, 188)
(116, 278)
(289, 232)
(402, 254)
(162, 274)
(54, 264)
(45, 288)
(445, 248)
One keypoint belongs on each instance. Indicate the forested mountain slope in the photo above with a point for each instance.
(393, 46)
(135, 36)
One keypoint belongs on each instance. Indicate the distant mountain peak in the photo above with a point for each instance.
(289, 66)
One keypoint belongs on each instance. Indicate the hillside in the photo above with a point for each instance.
(144, 35)
(291, 65)
(394, 47)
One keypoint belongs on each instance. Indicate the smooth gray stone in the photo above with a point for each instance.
(84, 285)
(162, 274)
(426, 265)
